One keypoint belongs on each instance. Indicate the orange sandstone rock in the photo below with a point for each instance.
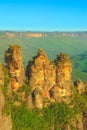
(13, 58)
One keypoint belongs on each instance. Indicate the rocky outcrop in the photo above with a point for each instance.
(62, 89)
(49, 81)
(13, 59)
(80, 86)
(11, 35)
(42, 72)
(42, 77)
(5, 121)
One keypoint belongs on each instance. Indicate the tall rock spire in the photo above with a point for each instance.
(63, 73)
(13, 58)
(62, 90)
(42, 77)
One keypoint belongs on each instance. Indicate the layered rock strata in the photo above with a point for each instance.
(62, 89)
(42, 78)
(13, 59)
(49, 81)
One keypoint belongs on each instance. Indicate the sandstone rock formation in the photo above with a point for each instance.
(62, 89)
(5, 121)
(13, 58)
(11, 35)
(49, 81)
(42, 77)
(80, 86)
(1, 75)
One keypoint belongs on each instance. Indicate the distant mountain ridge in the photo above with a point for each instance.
(12, 34)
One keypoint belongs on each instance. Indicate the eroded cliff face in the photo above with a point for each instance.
(80, 86)
(5, 121)
(62, 89)
(49, 81)
(42, 78)
(13, 59)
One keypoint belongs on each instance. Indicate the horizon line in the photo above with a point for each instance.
(46, 31)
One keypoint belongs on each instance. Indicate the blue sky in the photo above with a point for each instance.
(43, 15)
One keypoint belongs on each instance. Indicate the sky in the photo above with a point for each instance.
(43, 15)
